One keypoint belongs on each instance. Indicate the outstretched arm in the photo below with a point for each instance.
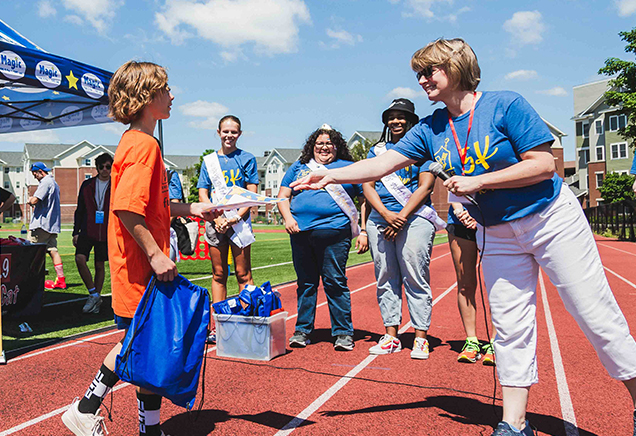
(364, 171)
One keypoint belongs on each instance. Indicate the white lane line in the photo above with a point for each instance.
(620, 277)
(70, 344)
(321, 400)
(567, 410)
(617, 249)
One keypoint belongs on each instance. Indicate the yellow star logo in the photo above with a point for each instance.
(5, 98)
(56, 93)
(72, 80)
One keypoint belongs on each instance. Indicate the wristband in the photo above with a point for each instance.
(363, 232)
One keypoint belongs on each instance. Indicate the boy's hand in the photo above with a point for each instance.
(163, 267)
(204, 211)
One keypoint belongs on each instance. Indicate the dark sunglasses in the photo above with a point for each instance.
(425, 72)
(101, 167)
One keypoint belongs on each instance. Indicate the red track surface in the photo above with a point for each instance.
(388, 394)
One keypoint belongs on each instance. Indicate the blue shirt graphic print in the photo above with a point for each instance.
(239, 169)
(504, 127)
(316, 209)
(408, 175)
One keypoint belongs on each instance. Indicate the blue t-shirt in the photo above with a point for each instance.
(632, 171)
(504, 126)
(316, 209)
(239, 169)
(408, 175)
(46, 214)
(175, 190)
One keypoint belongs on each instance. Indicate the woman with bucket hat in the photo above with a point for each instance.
(401, 230)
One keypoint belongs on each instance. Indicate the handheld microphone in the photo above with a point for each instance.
(437, 170)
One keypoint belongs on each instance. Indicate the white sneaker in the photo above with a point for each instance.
(420, 349)
(83, 424)
(92, 304)
(386, 345)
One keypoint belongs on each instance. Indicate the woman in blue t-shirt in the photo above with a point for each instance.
(321, 225)
(496, 148)
(231, 166)
(401, 237)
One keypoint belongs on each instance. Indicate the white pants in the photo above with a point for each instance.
(559, 240)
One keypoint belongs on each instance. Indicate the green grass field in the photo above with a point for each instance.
(62, 315)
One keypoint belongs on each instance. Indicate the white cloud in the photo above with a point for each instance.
(45, 9)
(36, 136)
(555, 92)
(526, 27)
(99, 13)
(521, 75)
(116, 128)
(409, 93)
(210, 111)
(271, 25)
(342, 37)
(429, 9)
(625, 7)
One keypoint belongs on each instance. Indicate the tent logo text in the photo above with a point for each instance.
(48, 74)
(92, 85)
(12, 65)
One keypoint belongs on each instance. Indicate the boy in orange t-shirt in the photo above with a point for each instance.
(138, 229)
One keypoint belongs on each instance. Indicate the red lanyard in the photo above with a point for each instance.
(462, 154)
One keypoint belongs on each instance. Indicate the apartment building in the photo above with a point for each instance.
(600, 148)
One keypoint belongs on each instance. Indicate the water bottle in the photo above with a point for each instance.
(23, 230)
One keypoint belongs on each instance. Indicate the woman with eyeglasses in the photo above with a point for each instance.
(498, 149)
(401, 229)
(321, 225)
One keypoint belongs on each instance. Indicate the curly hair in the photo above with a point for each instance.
(342, 151)
(132, 87)
(102, 159)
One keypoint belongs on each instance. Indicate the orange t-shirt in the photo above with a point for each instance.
(139, 184)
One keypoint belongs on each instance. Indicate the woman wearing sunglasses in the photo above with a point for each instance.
(498, 149)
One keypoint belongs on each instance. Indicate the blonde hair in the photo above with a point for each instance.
(457, 59)
(132, 87)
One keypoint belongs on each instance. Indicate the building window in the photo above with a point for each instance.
(585, 155)
(87, 162)
(18, 170)
(17, 184)
(87, 176)
(617, 122)
(263, 187)
(621, 172)
(599, 179)
(586, 130)
(6, 170)
(275, 183)
(269, 183)
(600, 153)
(598, 126)
(6, 184)
(619, 150)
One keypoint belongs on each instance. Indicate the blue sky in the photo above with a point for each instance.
(287, 66)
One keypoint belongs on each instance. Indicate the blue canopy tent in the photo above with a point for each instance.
(40, 90)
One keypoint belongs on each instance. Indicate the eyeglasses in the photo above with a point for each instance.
(320, 144)
(427, 72)
(101, 167)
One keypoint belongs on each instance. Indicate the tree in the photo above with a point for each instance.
(623, 92)
(193, 173)
(361, 149)
(617, 187)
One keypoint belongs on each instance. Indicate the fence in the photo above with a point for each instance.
(618, 218)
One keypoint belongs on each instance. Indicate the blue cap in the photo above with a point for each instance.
(40, 166)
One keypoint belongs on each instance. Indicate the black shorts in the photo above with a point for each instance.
(462, 232)
(86, 244)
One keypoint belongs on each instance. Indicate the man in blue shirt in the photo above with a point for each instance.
(46, 219)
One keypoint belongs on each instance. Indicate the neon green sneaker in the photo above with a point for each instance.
(470, 352)
(489, 354)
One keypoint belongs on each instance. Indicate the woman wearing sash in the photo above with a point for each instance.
(321, 225)
(230, 166)
(496, 148)
(401, 230)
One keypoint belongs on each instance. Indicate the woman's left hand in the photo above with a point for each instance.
(362, 243)
(390, 233)
(462, 185)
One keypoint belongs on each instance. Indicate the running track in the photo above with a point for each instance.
(317, 391)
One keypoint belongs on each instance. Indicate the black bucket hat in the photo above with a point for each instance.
(403, 105)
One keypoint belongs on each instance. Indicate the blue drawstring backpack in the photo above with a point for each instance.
(259, 301)
(163, 348)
